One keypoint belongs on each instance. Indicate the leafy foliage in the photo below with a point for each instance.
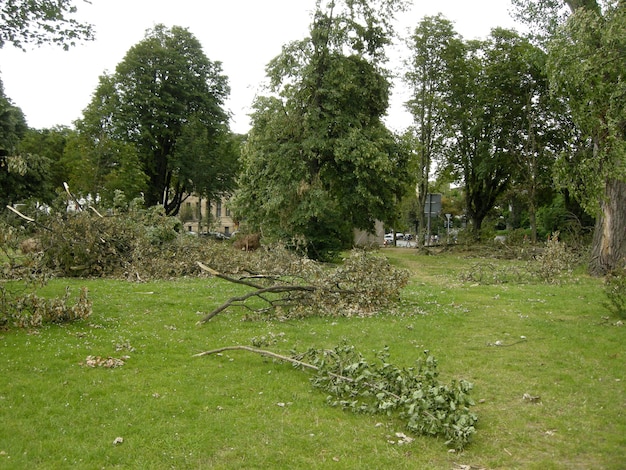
(551, 264)
(319, 161)
(415, 395)
(292, 286)
(615, 290)
(21, 275)
(555, 262)
(585, 45)
(586, 65)
(31, 310)
(40, 22)
(158, 125)
(132, 243)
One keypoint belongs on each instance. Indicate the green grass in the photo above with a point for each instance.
(238, 410)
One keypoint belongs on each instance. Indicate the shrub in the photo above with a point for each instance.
(31, 310)
(556, 261)
(615, 290)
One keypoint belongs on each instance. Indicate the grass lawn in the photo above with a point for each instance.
(553, 343)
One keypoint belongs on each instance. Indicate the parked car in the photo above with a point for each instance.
(215, 235)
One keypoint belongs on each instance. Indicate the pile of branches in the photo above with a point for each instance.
(362, 285)
(554, 264)
(135, 244)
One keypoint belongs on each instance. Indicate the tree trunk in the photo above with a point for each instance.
(608, 250)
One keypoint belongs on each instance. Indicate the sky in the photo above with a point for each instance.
(53, 86)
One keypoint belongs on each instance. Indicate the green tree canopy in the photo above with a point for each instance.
(319, 161)
(586, 44)
(433, 45)
(493, 85)
(161, 115)
(38, 22)
(50, 144)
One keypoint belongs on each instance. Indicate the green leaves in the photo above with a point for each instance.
(318, 161)
(39, 22)
(414, 395)
(165, 101)
(586, 64)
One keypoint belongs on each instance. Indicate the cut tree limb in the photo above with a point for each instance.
(259, 292)
(262, 352)
(215, 273)
(291, 360)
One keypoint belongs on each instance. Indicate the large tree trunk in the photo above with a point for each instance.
(608, 250)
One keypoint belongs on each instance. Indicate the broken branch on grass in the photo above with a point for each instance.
(215, 273)
(291, 360)
(257, 293)
(262, 352)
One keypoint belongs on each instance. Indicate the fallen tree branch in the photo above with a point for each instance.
(215, 273)
(356, 287)
(28, 219)
(262, 352)
(257, 293)
(291, 360)
(414, 395)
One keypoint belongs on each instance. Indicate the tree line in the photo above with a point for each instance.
(515, 121)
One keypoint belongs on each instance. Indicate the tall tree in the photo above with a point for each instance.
(541, 124)
(98, 157)
(586, 65)
(432, 45)
(38, 22)
(319, 161)
(49, 143)
(164, 91)
(486, 101)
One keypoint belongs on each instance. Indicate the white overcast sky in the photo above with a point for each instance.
(52, 86)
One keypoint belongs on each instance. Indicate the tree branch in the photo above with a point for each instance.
(293, 361)
(257, 293)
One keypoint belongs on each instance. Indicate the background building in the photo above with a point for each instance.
(203, 216)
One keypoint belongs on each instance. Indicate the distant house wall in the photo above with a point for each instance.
(363, 238)
(202, 216)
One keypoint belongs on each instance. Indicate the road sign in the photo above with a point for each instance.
(433, 204)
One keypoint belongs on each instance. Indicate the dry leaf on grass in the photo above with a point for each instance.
(107, 362)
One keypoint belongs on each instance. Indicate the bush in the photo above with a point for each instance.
(556, 261)
(31, 310)
(615, 290)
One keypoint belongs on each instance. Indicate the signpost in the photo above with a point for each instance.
(432, 207)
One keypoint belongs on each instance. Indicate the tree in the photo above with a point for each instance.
(543, 129)
(319, 161)
(431, 44)
(162, 112)
(586, 63)
(38, 22)
(13, 168)
(484, 106)
(51, 144)
(99, 160)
